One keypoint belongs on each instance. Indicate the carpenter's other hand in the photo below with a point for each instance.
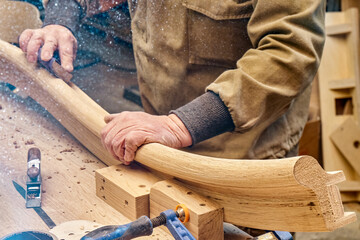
(51, 38)
(127, 131)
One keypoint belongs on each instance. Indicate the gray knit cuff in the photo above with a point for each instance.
(66, 13)
(205, 117)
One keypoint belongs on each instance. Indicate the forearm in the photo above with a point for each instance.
(66, 13)
(69, 12)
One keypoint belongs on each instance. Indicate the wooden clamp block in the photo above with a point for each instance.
(126, 188)
(206, 216)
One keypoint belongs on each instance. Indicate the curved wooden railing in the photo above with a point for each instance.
(292, 194)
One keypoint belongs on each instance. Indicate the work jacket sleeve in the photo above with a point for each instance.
(287, 38)
(69, 12)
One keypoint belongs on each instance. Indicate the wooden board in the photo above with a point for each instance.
(251, 192)
(339, 89)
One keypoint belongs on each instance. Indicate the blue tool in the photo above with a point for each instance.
(144, 226)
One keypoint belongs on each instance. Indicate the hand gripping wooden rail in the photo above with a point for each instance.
(292, 194)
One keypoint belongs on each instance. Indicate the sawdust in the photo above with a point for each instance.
(88, 161)
(16, 144)
(29, 142)
(67, 150)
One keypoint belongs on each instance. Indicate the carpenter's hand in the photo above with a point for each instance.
(127, 131)
(50, 37)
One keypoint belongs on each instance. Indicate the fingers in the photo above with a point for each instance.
(34, 45)
(126, 147)
(111, 138)
(49, 48)
(25, 38)
(50, 38)
(132, 143)
(127, 131)
(67, 50)
(110, 117)
(122, 143)
(118, 147)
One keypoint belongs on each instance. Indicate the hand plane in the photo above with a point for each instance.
(33, 179)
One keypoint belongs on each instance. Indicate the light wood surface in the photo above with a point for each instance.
(339, 80)
(251, 192)
(68, 172)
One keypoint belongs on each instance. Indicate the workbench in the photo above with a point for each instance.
(67, 169)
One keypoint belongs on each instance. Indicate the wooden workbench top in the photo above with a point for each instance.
(67, 170)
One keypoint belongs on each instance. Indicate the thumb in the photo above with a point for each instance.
(110, 117)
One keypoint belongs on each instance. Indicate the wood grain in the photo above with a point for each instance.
(300, 195)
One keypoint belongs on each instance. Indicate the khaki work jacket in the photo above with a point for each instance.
(259, 56)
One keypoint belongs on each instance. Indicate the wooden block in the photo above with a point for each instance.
(126, 188)
(347, 139)
(206, 217)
